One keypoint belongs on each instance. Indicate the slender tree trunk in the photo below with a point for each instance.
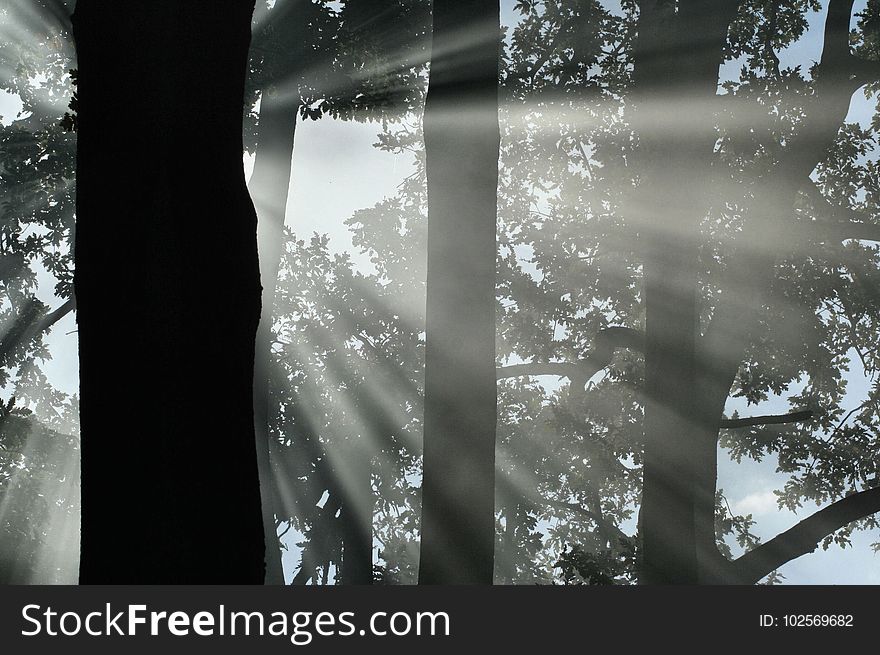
(357, 516)
(677, 57)
(269, 188)
(270, 185)
(166, 247)
(462, 144)
(356, 485)
(668, 552)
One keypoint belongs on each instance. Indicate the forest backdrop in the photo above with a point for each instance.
(616, 155)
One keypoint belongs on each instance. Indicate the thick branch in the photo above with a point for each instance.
(30, 325)
(804, 537)
(864, 71)
(53, 317)
(309, 561)
(607, 341)
(838, 76)
(859, 231)
(835, 50)
(778, 419)
(840, 223)
(586, 367)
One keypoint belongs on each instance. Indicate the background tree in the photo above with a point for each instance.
(309, 60)
(674, 71)
(291, 38)
(686, 476)
(461, 162)
(572, 258)
(748, 36)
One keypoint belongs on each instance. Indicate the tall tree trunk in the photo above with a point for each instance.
(677, 56)
(270, 185)
(166, 247)
(462, 145)
(668, 552)
(357, 515)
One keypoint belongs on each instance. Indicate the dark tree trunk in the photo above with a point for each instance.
(168, 295)
(461, 145)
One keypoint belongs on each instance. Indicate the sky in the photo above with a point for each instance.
(336, 171)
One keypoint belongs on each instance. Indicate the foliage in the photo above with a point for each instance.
(338, 59)
(39, 488)
(351, 357)
(569, 266)
(37, 157)
(578, 566)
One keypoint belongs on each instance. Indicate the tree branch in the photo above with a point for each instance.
(778, 419)
(309, 562)
(843, 222)
(607, 341)
(838, 75)
(29, 325)
(864, 71)
(54, 316)
(549, 51)
(601, 522)
(858, 231)
(804, 537)
(584, 367)
(835, 49)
